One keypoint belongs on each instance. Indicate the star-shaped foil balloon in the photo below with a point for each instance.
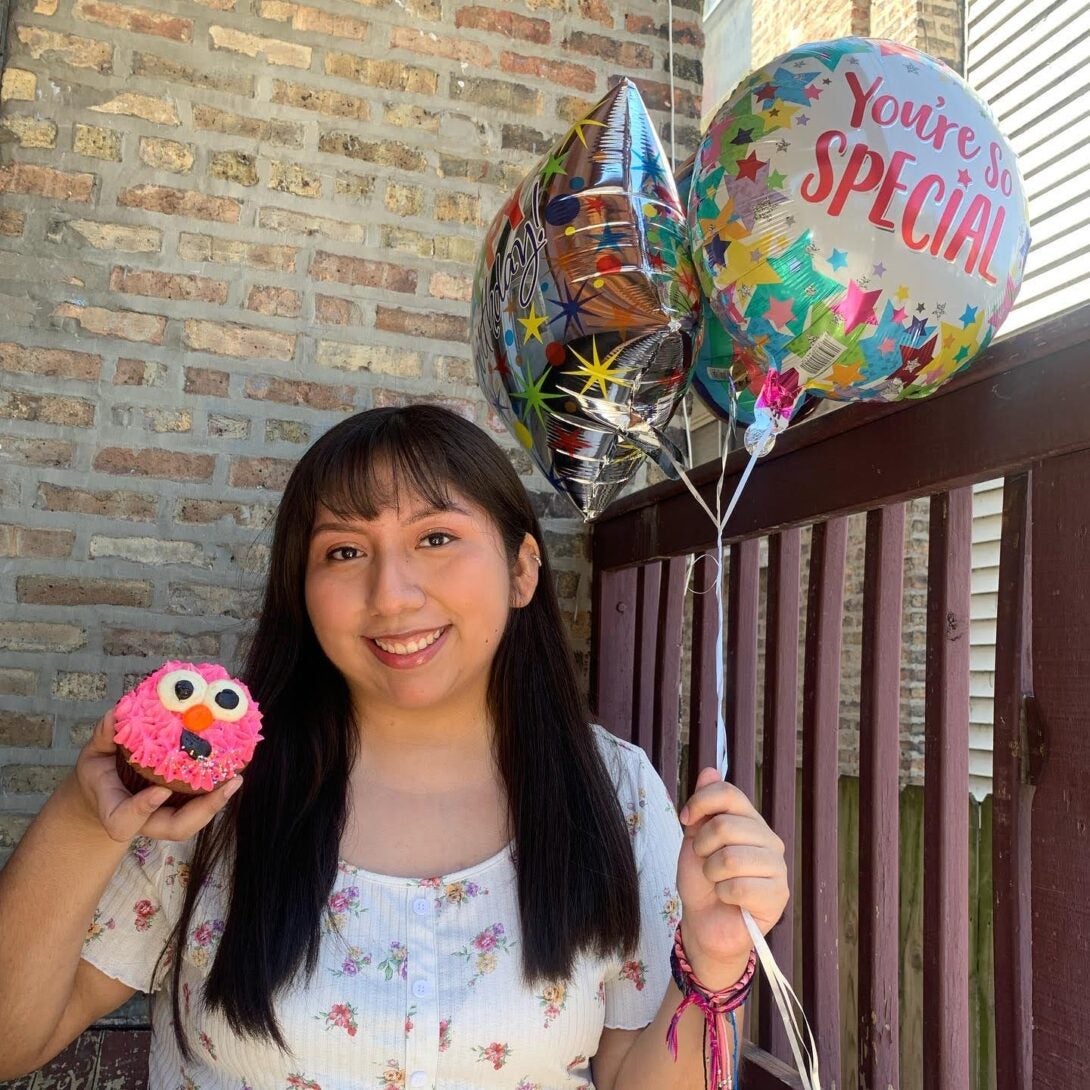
(586, 305)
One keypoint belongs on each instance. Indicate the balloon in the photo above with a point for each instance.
(858, 222)
(586, 304)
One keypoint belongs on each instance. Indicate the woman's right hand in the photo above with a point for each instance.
(110, 806)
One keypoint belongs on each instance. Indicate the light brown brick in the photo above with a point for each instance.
(223, 426)
(330, 310)
(362, 272)
(207, 382)
(463, 50)
(32, 132)
(455, 371)
(161, 421)
(266, 130)
(180, 202)
(171, 465)
(17, 682)
(563, 73)
(37, 181)
(296, 179)
(497, 94)
(286, 431)
(271, 473)
(428, 244)
(234, 166)
(145, 643)
(245, 342)
(135, 20)
(163, 285)
(407, 115)
(389, 75)
(287, 220)
(161, 111)
(70, 49)
(320, 100)
(616, 51)
(148, 550)
(106, 503)
(354, 187)
(273, 301)
(404, 200)
(57, 590)
(270, 50)
(396, 398)
(22, 450)
(206, 600)
(458, 208)
(505, 23)
(55, 362)
(413, 323)
(23, 729)
(375, 358)
(256, 255)
(208, 511)
(12, 222)
(167, 155)
(18, 85)
(597, 11)
(446, 286)
(386, 152)
(294, 392)
(313, 20)
(78, 685)
(45, 7)
(35, 541)
(71, 412)
(489, 172)
(97, 142)
(131, 372)
(118, 236)
(223, 78)
(41, 636)
(126, 324)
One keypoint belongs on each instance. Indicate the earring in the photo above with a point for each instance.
(537, 559)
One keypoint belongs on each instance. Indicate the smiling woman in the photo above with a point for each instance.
(439, 873)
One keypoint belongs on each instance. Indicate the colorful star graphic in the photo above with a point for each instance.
(579, 126)
(857, 307)
(532, 324)
(964, 177)
(598, 371)
(968, 316)
(780, 312)
(901, 294)
(766, 93)
(838, 259)
(553, 165)
(533, 397)
(749, 166)
(609, 239)
(571, 307)
(743, 136)
(776, 179)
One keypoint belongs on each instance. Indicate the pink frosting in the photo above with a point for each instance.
(152, 733)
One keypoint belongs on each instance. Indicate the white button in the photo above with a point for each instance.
(418, 1078)
(421, 989)
(421, 906)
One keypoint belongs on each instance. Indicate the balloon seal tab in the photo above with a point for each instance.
(760, 436)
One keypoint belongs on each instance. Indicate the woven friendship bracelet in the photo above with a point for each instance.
(715, 1007)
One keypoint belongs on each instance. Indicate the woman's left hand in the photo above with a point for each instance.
(730, 860)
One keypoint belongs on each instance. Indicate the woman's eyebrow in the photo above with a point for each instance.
(414, 516)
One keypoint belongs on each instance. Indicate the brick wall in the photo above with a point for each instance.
(225, 225)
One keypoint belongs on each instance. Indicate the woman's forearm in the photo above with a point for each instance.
(48, 893)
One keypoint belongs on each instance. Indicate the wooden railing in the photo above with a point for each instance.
(1022, 413)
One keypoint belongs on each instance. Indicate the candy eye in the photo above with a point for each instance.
(181, 689)
(227, 701)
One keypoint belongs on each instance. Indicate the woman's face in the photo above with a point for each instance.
(410, 606)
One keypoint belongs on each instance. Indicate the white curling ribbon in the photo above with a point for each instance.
(804, 1050)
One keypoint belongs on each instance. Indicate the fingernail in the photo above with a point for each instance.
(684, 815)
(232, 787)
(159, 795)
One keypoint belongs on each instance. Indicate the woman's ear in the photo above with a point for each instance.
(525, 574)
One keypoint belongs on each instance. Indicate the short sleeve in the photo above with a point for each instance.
(635, 987)
(137, 912)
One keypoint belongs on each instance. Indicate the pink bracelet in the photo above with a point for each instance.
(715, 1005)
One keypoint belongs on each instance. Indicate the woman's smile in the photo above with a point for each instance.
(407, 651)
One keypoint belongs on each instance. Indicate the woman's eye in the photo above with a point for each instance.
(437, 538)
(341, 550)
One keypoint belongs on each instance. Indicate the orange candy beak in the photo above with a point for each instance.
(197, 718)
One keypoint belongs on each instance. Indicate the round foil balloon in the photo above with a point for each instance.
(585, 304)
(858, 223)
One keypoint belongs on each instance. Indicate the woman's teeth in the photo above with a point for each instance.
(392, 647)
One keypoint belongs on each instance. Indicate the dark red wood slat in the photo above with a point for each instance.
(667, 708)
(763, 1071)
(615, 645)
(946, 794)
(702, 697)
(741, 665)
(779, 760)
(820, 767)
(648, 583)
(1012, 797)
(879, 790)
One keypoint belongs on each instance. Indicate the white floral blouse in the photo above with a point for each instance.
(419, 982)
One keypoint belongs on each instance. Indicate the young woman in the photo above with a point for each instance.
(437, 873)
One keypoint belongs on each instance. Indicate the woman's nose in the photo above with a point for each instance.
(394, 586)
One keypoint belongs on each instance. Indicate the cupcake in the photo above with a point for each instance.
(188, 727)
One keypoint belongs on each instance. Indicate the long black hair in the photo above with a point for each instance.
(279, 839)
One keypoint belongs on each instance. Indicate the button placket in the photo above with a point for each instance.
(422, 1044)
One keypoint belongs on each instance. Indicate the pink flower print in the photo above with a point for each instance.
(397, 964)
(459, 893)
(301, 1082)
(393, 1078)
(553, 997)
(177, 872)
(354, 960)
(206, 937)
(208, 1046)
(145, 913)
(635, 971)
(526, 1084)
(97, 927)
(409, 1020)
(430, 883)
(489, 938)
(340, 1016)
(444, 1034)
(343, 904)
(671, 908)
(483, 950)
(141, 850)
(495, 1054)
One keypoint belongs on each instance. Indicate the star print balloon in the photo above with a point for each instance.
(859, 224)
(586, 304)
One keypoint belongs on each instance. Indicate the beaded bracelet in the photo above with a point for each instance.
(715, 1005)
